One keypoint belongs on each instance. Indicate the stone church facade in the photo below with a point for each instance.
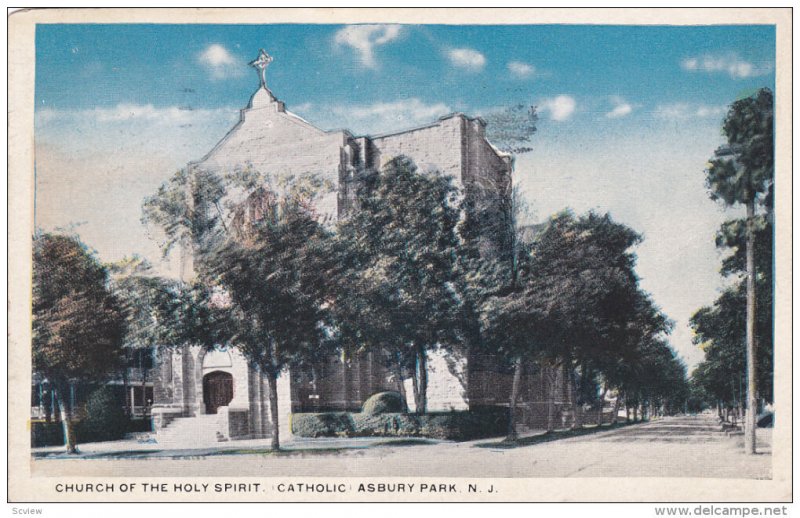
(217, 395)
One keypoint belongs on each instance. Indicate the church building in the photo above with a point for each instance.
(201, 395)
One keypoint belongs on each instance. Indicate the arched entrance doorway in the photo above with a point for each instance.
(217, 390)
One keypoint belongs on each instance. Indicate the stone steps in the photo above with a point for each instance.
(192, 431)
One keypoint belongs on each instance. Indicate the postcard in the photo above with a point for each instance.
(400, 255)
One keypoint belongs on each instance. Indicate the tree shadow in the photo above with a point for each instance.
(556, 435)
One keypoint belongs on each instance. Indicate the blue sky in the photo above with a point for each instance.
(629, 116)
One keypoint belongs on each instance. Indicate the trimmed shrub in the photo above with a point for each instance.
(388, 425)
(327, 424)
(454, 426)
(46, 434)
(384, 403)
(105, 419)
(52, 434)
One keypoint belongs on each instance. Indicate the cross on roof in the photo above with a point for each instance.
(260, 64)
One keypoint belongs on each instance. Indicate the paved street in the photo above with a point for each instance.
(692, 446)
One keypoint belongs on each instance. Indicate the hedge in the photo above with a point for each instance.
(455, 425)
(52, 434)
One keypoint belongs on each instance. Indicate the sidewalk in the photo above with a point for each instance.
(131, 448)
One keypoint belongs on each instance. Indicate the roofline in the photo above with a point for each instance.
(348, 134)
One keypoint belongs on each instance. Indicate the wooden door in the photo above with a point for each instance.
(217, 390)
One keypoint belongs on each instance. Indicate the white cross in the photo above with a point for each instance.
(261, 63)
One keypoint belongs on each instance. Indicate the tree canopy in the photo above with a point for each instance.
(78, 324)
(744, 168)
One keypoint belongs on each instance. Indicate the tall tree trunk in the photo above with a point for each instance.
(126, 391)
(421, 389)
(48, 405)
(750, 416)
(627, 412)
(345, 383)
(615, 415)
(512, 404)
(740, 410)
(272, 382)
(66, 422)
(144, 390)
(401, 387)
(551, 397)
(415, 386)
(635, 412)
(602, 404)
(573, 401)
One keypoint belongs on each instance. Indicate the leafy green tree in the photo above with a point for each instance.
(260, 265)
(742, 173)
(720, 330)
(188, 209)
(273, 289)
(512, 128)
(658, 383)
(621, 367)
(573, 301)
(398, 277)
(154, 308)
(78, 324)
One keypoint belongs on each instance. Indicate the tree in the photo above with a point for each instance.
(154, 308)
(273, 288)
(260, 262)
(622, 368)
(742, 173)
(658, 381)
(512, 128)
(720, 330)
(78, 324)
(397, 280)
(573, 300)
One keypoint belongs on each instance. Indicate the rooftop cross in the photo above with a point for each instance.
(261, 63)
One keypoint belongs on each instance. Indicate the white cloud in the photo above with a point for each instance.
(621, 108)
(560, 107)
(135, 128)
(374, 118)
(390, 116)
(688, 111)
(303, 107)
(220, 63)
(128, 112)
(520, 69)
(730, 63)
(468, 59)
(364, 38)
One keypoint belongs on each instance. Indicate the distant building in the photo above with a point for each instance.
(132, 387)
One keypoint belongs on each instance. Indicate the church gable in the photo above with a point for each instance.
(276, 141)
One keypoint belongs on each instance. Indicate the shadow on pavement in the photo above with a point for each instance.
(213, 452)
(553, 436)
